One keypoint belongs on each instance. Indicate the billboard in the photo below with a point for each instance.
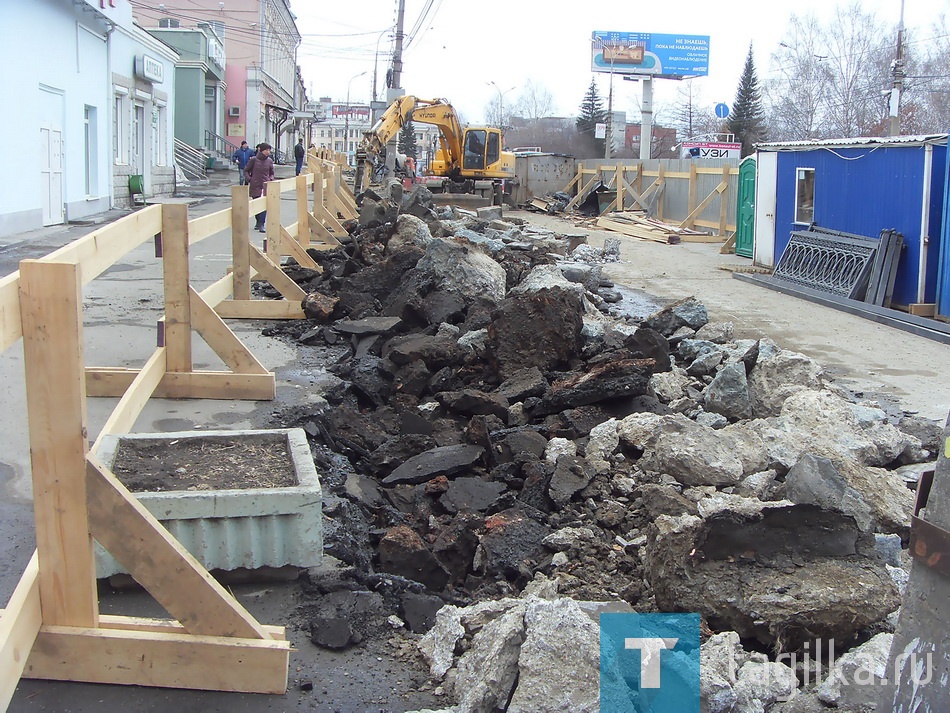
(710, 149)
(667, 56)
(356, 111)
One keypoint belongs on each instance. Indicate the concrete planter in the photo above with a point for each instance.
(228, 529)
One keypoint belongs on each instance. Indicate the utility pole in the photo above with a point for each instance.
(646, 120)
(610, 113)
(395, 91)
(919, 663)
(897, 71)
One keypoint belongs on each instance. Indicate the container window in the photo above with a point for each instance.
(805, 195)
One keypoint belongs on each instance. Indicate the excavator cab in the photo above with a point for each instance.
(482, 149)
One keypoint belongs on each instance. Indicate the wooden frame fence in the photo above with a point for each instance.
(634, 191)
(51, 627)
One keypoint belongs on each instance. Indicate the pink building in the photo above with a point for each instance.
(261, 88)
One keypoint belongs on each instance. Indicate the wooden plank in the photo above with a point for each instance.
(582, 193)
(693, 187)
(729, 247)
(690, 219)
(333, 225)
(10, 331)
(168, 626)
(621, 182)
(724, 201)
(730, 228)
(715, 171)
(260, 309)
(97, 252)
(660, 184)
(51, 315)
(256, 205)
(275, 276)
(102, 248)
(221, 339)
(208, 225)
(164, 660)
(273, 225)
(303, 212)
(700, 238)
(322, 233)
(576, 180)
(113, 382)
(922, 309)
(218, 291)
(636, 231)
(176, 278)
(240, 240)
(19, 625)
(159, 563)
(295, 250)
(135, 397)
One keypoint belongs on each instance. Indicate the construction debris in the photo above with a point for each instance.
(495, 436)
(635, 224)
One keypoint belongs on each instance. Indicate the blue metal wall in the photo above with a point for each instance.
(864, 191)
(943, 271)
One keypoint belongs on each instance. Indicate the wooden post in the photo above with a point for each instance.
(303, 221)
(723, 200)
(273, 223)
(51, 315)
(620, 179)
(240, 242)
(318, 194)
(176, 279)
(661, 177)
(638, 180)
(693, 187)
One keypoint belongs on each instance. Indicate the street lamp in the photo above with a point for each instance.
(501, 103)
(346, 120)
(376, 59)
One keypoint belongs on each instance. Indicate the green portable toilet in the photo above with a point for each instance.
(745, 208)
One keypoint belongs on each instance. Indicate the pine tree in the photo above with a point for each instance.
(407, 139)
(747, 119)
(592, 113)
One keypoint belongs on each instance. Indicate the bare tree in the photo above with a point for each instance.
(926, 106)
(859, 53)
(796, 92)
(535, 102)
(691, 115)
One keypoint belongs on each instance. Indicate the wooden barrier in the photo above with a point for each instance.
(51, 627)
(628, 180)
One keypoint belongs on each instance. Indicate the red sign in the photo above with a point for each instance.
(355, 111)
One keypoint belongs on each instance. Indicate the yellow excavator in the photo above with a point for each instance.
(468, 160)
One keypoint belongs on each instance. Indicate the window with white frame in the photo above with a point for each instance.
(805, 195)
(91, 149)
(120, 128)
(159, 141)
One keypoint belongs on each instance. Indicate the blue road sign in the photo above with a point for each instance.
(722, 110)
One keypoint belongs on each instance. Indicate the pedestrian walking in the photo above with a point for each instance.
(259, 170)
(299, 153)
(241, 156)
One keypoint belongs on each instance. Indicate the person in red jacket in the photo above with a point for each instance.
(259, 170)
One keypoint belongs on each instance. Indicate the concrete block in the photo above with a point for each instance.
(228, 529)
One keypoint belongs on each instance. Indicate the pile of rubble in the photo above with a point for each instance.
(505, 457)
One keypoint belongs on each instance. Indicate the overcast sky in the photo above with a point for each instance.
(466, 44)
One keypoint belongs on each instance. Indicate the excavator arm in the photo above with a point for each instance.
(426, 111)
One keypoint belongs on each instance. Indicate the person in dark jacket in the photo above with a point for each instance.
(241, 157)
(259, 170)
(299, 153)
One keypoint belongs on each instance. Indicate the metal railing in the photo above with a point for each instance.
(219, 146)
(192, 162)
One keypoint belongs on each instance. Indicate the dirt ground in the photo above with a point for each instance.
(161, 465)
(870, 358)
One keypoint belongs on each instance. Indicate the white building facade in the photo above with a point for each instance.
(91, 109)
